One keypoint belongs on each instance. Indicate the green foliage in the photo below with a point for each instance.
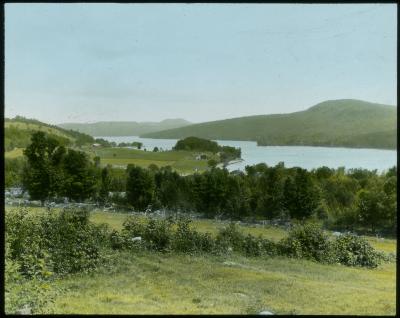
(43, 174)
(352, 250)
(308, 241)
(300, 195)
(140, 187)
(229, 238)
(187, 240)
(199, 144)
(13, 170)
(80, 176)
(53, 242)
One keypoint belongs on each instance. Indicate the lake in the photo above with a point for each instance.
(293, 156)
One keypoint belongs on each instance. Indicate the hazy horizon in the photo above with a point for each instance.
(199, 62)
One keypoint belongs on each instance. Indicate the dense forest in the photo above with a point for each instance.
(199, 144)
(354, 199)
(347, 123)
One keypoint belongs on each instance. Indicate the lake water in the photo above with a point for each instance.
(292, 156)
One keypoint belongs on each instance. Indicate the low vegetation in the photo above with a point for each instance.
(43, 247)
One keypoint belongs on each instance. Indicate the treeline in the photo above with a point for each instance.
(382, 139)
(199, 144)
(356, 199)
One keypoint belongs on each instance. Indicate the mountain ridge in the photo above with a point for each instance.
(124, 128)
(345, 122)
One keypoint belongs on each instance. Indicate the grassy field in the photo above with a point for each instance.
(181, 161)
(31, 126)
(156, 283)
(17, 152)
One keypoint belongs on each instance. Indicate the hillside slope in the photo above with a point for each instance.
(347, 123)
(124, 128)
(18, 131)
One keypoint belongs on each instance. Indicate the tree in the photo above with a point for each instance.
(301, 196)
(271, 185)
(140, 187)
(212, 163)
(80, 175)
(96, 161)
(155, 149)
(105, 183)
(43, 175)
(167, 188)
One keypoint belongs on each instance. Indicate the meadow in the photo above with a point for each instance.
(145, 282)
(181, 161)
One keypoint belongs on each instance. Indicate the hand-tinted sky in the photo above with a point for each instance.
(148, 62)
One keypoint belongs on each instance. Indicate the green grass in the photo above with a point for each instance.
(181, 161)
(156, 283)
(36, 127)
(17, 152)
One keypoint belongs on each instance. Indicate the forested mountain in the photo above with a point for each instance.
(346, 122)
(124, 128)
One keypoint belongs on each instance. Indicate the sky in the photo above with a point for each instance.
(201, 62)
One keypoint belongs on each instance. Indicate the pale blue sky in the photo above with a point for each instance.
(148, 62)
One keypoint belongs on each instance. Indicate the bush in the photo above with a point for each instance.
(157, 235)
(307, 241)
(252, 246)
(74, 243)
(50, 242)
(190, 241)
(353, 250)
(230, 239)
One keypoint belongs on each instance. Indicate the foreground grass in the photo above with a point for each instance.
(154, 283)
(140, 282)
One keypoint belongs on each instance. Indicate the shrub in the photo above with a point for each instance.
(158, 235)
(49, 242)
(74, 244)
(188, 240)
(307, 241)
(269, 247)
(353, 250)
(230, 238)
(252, 246)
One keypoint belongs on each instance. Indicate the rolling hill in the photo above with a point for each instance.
(343, 123)
(124, 128)
(18, 131)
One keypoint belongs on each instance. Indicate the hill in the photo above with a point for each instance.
(346, 123)
(18, 131)
(124, 128)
